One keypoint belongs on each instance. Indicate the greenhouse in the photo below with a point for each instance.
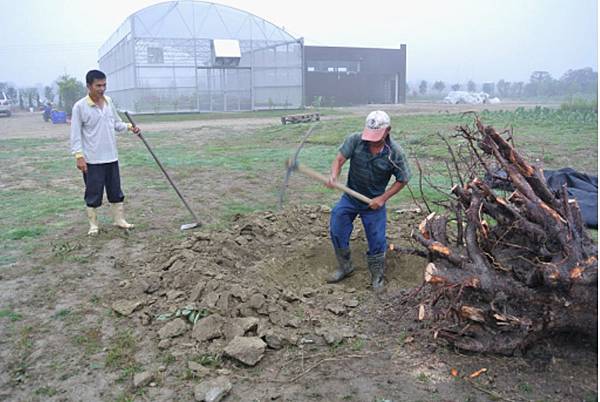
(184, 56)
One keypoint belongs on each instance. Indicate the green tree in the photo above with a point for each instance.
(49, 94)
(503, 88)
(29, 95)
(439, 86)
(423, 87)
(584, 80)
(70, 90)
(471, 87)
(541, 83)
(11, 92)
(516, 89)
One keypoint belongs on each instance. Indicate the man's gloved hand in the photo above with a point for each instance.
(135, 130)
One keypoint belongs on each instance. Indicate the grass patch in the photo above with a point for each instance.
(46, 391)
(230, 209)
(11, 315)
(211, 360)
(125, 397)
(7, 260)
(43, 203)
(121, 351)
(357, 345)
(90, 340)
(128, 372)
(525, 387)
(167, 359)
(424, 378)
(25, 341)
(24, 232)
(402, 335)
(62, 314)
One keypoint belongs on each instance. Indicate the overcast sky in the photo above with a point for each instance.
(449, 40)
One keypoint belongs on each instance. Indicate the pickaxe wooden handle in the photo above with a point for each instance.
(318, 176)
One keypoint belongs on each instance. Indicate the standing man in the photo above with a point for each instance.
(93, 124)
(374, 158)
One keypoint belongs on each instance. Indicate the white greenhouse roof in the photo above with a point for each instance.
(187, 19)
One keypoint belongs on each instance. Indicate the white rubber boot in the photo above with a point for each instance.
(93, 218)
(118, 214)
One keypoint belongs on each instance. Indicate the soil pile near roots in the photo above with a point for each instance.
(261, 278)
(246, 310)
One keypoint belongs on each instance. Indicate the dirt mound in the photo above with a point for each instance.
(263, 277)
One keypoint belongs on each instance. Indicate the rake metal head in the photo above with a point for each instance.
(188, 226)
(291, 165)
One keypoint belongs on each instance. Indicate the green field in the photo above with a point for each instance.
(244, 168)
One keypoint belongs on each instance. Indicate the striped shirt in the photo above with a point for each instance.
(370, 174)
(93, 130)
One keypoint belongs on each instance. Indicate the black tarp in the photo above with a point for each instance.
(580, 186)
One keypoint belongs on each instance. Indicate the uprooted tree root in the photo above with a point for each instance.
(518, 268)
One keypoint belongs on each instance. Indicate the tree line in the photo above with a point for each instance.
(582, 81)
(69, 90)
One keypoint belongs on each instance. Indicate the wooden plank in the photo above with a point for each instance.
(300, 118)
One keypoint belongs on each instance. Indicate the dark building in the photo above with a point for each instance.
(341, 76)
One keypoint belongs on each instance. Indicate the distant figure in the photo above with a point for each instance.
(93, 124)
(47, 112)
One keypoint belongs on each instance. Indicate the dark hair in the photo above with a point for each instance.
(94, 75)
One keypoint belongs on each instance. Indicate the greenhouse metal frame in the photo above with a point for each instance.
(184, 56)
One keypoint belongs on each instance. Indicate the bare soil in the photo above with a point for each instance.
(338, 342)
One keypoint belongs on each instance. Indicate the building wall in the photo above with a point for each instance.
(339, 76)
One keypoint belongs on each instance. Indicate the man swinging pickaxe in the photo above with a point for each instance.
(374, 158)
(292, 165)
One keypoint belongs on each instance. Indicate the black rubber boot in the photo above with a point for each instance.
(345, 268)
(376, 265)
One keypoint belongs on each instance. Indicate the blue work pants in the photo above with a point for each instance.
(341, 224)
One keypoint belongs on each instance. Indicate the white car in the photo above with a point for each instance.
(4, 104)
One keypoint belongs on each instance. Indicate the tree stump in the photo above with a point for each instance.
(522, 267)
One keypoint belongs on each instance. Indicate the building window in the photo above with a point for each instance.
(155, 55)
(341, 66)
(310, 69)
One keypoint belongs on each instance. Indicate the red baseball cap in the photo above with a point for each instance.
(375, 125)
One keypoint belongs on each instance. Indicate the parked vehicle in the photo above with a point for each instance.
(4, 104)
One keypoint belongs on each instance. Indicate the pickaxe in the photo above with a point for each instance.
(292, 165)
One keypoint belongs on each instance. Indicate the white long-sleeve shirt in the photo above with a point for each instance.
(93, 130)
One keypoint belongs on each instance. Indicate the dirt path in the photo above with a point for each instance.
(31, 125)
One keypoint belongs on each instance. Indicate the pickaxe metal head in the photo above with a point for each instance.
(291, 165)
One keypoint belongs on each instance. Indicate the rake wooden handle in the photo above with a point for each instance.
(318, 176)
